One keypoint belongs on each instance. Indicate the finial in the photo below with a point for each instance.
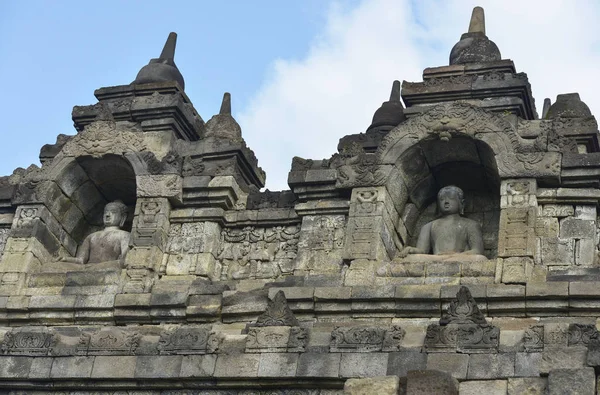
(395, 95)
(477, 24)
(226, 104)
(168, 51)
(163, 68)
(547, 104)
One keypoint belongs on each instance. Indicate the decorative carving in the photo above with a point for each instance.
(193, 166)
(103, 137)
(186, 238)
(276, 339)
(278, 313)
(188, 340)
(359, 168)
(445, 120)
(366, 339)
(517, 232)
(258, 252)
(463, 310)
(171, 163)
(328, 234)
(300, 164)
(581, 335)
(4, 232)
(112, 341)
(27, 342)
(161, 185)
(452, 80)
(533, 338)
(26, 216)
(465, 337)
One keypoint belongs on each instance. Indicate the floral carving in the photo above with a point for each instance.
(111, 341)
(188, 340)
(366, 339)
(27, 342)
(102, 137)
(463, 309)
(278, 313)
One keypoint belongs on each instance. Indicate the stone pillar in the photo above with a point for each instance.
(150, 229)
(516, 234)
(370, 231)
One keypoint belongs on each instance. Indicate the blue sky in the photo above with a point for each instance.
(302, 73)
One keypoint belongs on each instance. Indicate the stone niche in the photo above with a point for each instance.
(466, 163)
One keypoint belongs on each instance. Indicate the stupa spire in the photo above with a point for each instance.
(163, 68)
(226, 104)
(474, 46)
(477, 24)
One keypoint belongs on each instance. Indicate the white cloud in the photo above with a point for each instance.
(307, 105)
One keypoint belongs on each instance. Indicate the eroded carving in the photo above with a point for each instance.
(112, 341)
(278, 313)
(27, 342)
(366, 339)
(258, 252)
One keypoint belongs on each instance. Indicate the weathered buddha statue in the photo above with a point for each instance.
(451, 234)
(107, 245)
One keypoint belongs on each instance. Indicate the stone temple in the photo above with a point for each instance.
(451, 248)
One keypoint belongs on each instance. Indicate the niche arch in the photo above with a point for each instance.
(452, 144)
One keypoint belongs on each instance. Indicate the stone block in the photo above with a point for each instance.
(40, 368)
(547, 290)
(562, 359)
(237, 365)
(546, 227)
(584, 289)
(319, 365)
(198, 365)
(363, 364)
(577, 228)
(428, 382)
(278, 365)
(204, 305)
(557, 251)
(487, 387)
(15, 367)
(388, 385)
(491, 366)
(132, 300)
(114, 367)
(572, 381)
(587, 212)
(454, 364)
(72, 367)
(527, 386)
(585, 252)
(399, 363)
(158, 366)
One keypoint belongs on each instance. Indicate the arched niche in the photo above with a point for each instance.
(89, 183)
(457, 159)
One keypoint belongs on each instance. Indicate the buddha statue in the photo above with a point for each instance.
(452, 233)
(107, 245)
(452, 237)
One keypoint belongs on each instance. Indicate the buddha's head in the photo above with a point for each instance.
(115, 214)
(451, 200)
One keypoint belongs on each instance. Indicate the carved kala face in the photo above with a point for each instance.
(449, 202)
(112, 216)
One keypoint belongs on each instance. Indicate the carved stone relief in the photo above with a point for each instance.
(254, 252)
(27, 342)
(366, 339)
(111, 341)
(188, 340)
